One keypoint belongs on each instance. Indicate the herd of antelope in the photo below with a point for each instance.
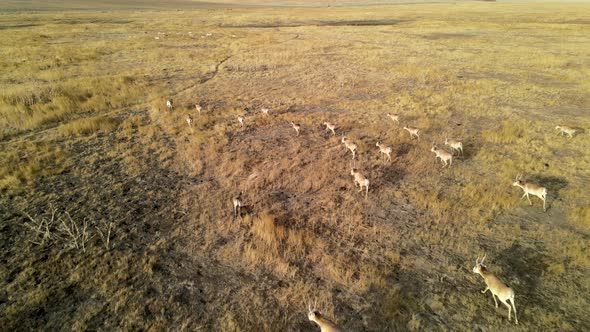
(498, 289)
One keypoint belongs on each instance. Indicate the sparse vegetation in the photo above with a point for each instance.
(150, 242)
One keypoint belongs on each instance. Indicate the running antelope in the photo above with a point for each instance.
(324, 324)
(455, 145)
(385, 150)
(330, 126)
(237, 204)
(189, 120)
(496, 287)
(170, 104)
(393, 117)
(532, 189)
(443, 155)
(564, 130)
(241, 121)
(360, 180)
(296, 126)
(265, 111)
(349, 145)
(198, 108)
(413, 132)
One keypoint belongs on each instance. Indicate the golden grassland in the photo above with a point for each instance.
(84, 131)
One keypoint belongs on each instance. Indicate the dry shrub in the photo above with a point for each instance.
(59, 227)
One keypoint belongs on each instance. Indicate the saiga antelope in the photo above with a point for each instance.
(563, 130)
(170, 104)
(198, 108)
(241, 121)
(296, 126)
(496, 287)
(443, 155)
(455, 145)
(385, 150)
(189, 120)
(324, 324)
(413, 132)
(393, 117)
(330, 127)
(360, 180)
(349, 145)
(237, 201)
(532, 189)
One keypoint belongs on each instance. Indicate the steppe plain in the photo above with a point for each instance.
(116, 215)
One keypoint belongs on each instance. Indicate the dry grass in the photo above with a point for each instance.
(26, 163)
(87, 126)
(84, 125)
